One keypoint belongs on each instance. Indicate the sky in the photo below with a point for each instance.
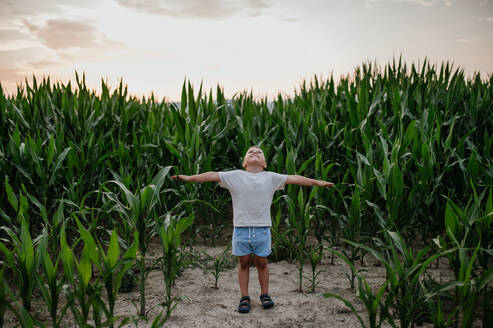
(266, 47)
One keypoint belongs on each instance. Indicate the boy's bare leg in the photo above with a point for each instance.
(263, 274)
(244, 273)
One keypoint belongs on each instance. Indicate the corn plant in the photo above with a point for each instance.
(315, 257)
(352, 231)
(114, 268)
(404, 269)
(216, 265)
(24, 317)
(196, 126)
(467, 233)
(321, 222)
(299, 221)
(81, 293)
(170, 232)
(158, 321)
(140, 216)
(376, 304)
(8, 301)
(23, 261)
(48, 283)
(282, 239)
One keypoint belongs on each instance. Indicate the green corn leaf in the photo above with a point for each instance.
(305, 165)
(42, 210)
(485, 278)
(183, 224)
(20, 117)
(26, 318)
(348, 304)
(147, 195)
(381, 185)
(51, 151)
(410, 134)
(89, 243)
(385, 147)
(24, 205)
(467, 275)
(343, 257)
(355, 208)
(58, 216)
(172, 149)
(451, 220)
(132, 250)
(189, 201)
(363, 158)
(158, 180)
(448, 141)
(48, 264)
(11, 196)
(301, 200)
(27, 247)
(58, 163)
(386, 168)
(378, 256)
(131, 198)
(8, 255)
(84, 267)
(67, 257)
(489, 207)
(113, 249)
(473, 165)
(398, 242)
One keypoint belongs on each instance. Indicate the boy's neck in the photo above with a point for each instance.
(254, 169)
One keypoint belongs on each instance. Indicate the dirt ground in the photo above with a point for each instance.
(202, 305)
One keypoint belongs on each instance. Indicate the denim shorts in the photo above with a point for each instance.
(251, 240)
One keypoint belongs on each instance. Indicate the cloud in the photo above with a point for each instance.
(14, 10)
(60, 34)
(288, 19)
(41, 64)
(469, 40)
(15, 64)
(12, 35)
(201, 9)
(425, 3)
(256, 7)
(10, 58)
(10, 74)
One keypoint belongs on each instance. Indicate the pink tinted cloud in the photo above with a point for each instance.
(60, 34)
(198, 9)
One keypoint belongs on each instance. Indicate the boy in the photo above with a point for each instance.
(251, 191)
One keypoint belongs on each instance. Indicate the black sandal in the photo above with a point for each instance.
(244, 306)
(267, 302)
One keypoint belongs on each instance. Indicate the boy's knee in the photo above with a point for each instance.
(261, 263)
(244, 262)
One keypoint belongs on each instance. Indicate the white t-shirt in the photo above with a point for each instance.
(252, 195)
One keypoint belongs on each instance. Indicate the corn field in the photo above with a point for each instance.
(86, 186)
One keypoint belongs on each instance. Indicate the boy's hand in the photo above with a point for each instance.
(325, 184)
(184, 178)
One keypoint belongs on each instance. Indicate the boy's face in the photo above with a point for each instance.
(254, 157)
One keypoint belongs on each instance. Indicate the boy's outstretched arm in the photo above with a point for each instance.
(203, 177)
(303, 181)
